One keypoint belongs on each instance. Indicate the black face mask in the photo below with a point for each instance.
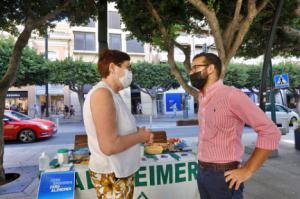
(197, 80)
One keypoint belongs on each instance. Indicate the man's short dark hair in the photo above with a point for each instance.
(211, 58)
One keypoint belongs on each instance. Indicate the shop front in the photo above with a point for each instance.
(56, 103)
(56, 99)
(17, 100)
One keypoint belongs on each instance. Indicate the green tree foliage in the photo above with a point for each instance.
(287, 39)
(42, 13)
(254, 77)
(33, 70)
(154, 78)
(236, 75)
(177, 16)
(248, 76)
(160, 22)
(75, 74)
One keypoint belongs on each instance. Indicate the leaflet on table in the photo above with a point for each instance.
(166, 157)
(57, 185)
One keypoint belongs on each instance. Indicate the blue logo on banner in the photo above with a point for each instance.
(57, 185)
(281, 81)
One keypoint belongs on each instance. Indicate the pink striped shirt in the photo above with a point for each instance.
(223, 111)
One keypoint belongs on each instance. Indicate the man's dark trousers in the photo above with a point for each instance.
(212, 185)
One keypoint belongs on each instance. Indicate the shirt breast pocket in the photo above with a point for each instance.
(211, 119)
(218, 121)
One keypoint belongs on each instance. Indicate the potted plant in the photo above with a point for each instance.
(297, 134)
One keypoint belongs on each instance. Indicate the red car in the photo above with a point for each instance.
(18, 126)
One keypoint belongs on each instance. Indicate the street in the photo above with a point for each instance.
(67, 132)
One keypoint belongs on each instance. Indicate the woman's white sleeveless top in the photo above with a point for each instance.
(125, 163)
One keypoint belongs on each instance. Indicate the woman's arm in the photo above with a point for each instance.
(104, 117)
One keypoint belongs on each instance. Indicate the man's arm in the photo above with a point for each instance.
(237, 176)
(257, 158)
(268, 137)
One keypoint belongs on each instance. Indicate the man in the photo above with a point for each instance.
(72, 111)
(35, 111)
(222, 113)
(43, 109)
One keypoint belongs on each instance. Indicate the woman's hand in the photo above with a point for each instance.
(146, 135)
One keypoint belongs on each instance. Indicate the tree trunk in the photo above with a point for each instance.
(7, 80)
(154, 107)
(170, 43)
(102, 25)
(297, 99)
(80, 95)
(178, 76)
(2, 105)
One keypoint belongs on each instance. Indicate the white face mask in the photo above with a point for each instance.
(126, 79)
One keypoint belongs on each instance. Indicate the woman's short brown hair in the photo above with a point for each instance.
(110, 56)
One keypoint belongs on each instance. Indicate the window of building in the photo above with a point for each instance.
(84, 41)
(52, 55)
(115, 41)
(134, 46)
(114, 20)
(57, 33)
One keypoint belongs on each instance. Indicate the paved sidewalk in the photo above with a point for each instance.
(279, 178)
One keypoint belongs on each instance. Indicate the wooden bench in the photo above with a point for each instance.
(80, 141)
(191, 122)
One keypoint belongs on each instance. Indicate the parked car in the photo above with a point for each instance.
(282, 113)
(18, 126)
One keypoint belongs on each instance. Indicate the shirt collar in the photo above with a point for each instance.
(212, 88)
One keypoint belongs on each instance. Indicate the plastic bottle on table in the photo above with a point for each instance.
(43, 162)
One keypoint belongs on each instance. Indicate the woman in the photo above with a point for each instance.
(113, 138)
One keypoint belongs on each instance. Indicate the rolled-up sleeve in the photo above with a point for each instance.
(242, 107)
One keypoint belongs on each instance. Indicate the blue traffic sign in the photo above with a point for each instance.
(281, 81)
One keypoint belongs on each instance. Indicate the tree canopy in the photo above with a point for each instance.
(287, 39)
(154, 78)
(74, 73)
(33, 70)
(160, 22)
(42, 13)
(248, 76)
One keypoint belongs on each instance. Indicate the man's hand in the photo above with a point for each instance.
(237, 176)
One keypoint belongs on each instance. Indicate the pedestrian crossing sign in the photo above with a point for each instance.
(281, 81)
